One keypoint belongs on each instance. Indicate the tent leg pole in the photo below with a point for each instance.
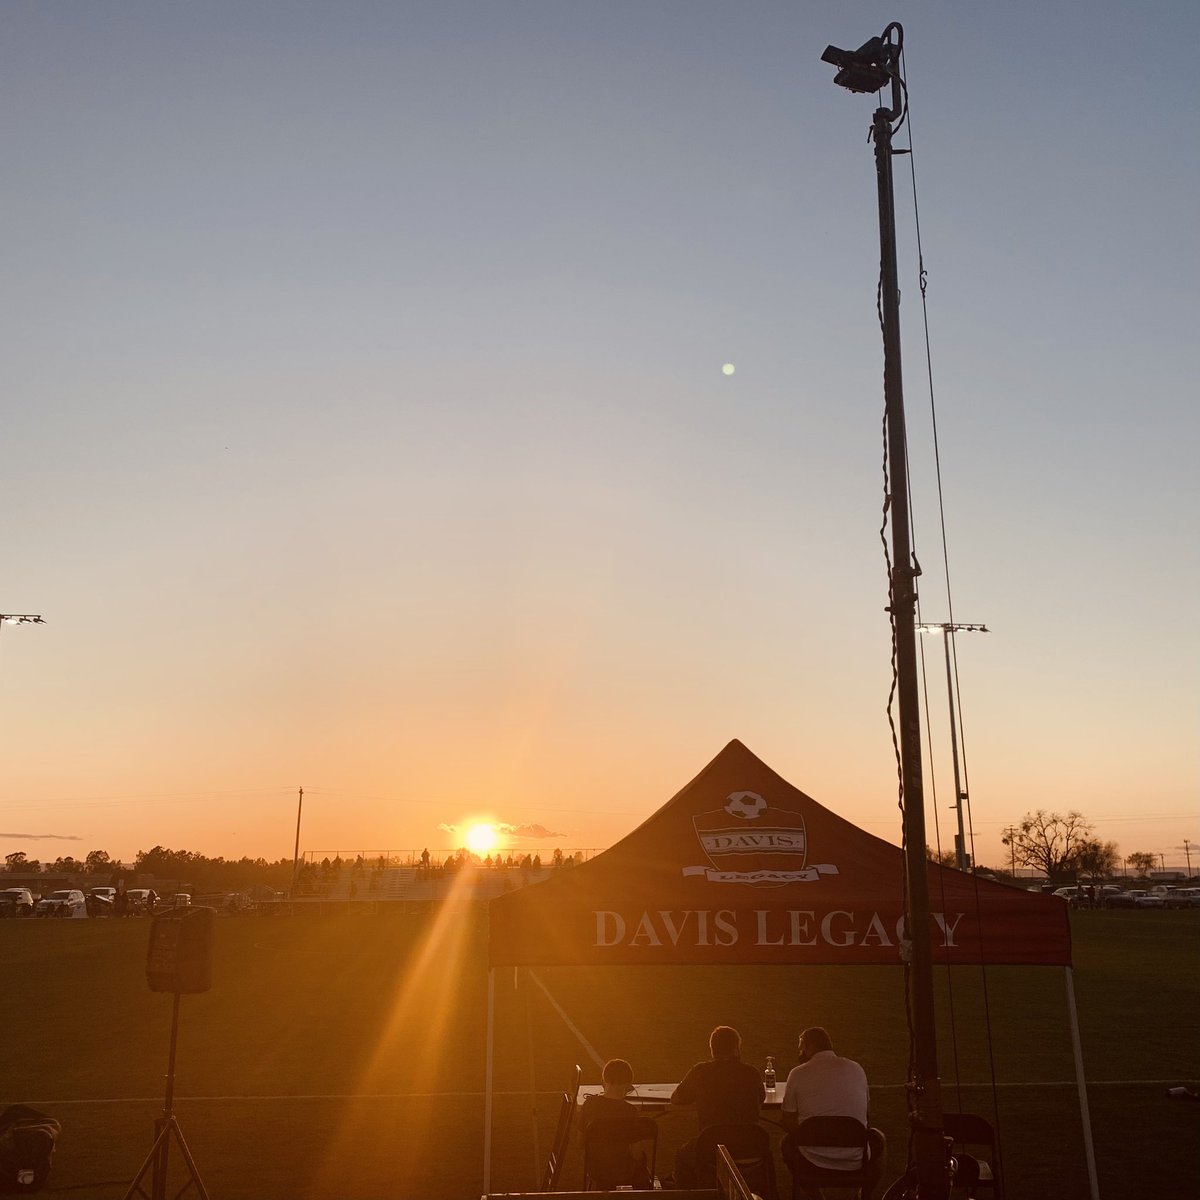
(487, 1087)
(533, 1095)
(1081, 1083)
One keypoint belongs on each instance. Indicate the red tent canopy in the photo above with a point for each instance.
(741, 867)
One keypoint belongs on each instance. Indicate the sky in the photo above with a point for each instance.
(366, 427)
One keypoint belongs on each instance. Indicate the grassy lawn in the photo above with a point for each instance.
(344, 1056)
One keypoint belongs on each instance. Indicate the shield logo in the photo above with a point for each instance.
(750, 836)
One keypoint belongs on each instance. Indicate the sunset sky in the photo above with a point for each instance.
(366, 427)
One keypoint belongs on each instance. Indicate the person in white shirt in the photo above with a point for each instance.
(825, 1084)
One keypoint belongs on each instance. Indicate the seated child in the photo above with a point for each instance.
(620, 1164)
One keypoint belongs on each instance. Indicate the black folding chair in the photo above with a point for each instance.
(843, 1133)
(608, 1159)
(562, 1134)
(978, 1174)
(749, 1148)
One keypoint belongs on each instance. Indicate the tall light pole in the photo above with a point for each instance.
(949, 629)
(874, 67)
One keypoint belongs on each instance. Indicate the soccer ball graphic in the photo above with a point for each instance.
(745, 805)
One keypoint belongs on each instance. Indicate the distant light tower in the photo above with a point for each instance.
(949, 629)
(21, 619)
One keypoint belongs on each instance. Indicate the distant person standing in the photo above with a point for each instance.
(725, 1091)
(827, 1085)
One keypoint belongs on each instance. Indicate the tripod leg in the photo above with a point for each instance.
(191, 1163)
(135, 1188)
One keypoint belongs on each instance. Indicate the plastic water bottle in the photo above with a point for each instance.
(769, 1075)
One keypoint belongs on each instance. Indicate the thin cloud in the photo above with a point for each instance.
(506, 827)
(43, 837)
(529, 831)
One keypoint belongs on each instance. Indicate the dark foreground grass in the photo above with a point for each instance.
(343, 1057)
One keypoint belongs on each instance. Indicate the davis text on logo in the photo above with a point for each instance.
(750, 841)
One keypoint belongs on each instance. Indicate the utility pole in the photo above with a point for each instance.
(296, 856)
(868, 70)
(949, 629)
(1187, 849)
(1010, 831)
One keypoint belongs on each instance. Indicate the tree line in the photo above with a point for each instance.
(1063, 846)
(185, 866)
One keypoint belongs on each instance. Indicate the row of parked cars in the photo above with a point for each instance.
(1110, 895)
(74, 902)
(1188, 897)
(106, 902)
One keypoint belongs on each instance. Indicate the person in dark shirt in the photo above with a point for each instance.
(620, 1164)
(725, 1091)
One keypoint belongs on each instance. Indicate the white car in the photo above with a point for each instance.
(67, 903)
(1146, 899)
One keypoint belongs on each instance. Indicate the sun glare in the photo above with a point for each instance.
(482, 838)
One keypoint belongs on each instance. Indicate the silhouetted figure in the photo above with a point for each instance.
(826, 1085)
(725, 1091)
(618, 1164)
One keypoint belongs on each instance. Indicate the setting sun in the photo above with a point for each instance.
(482, 838)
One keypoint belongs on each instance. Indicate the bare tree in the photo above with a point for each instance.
(1049, 842)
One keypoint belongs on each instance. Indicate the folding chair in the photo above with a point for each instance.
(608, 1161)
(730, 1183)
(562, 1134)
(973, 1133)
(842, 1133)
(749, 1148)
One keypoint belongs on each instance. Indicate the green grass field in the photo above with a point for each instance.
(344, 1056)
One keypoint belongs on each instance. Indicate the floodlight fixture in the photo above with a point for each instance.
(871, 67)
(21, 619)
(864, 70)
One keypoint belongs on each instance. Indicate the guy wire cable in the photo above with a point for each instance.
(923, 276)
(937, 828)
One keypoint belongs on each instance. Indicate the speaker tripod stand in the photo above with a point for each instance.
(166, 1128)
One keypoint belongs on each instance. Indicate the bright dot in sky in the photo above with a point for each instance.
(482, 838)
(728, 369)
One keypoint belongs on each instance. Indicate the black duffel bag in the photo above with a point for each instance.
(27, 1139)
